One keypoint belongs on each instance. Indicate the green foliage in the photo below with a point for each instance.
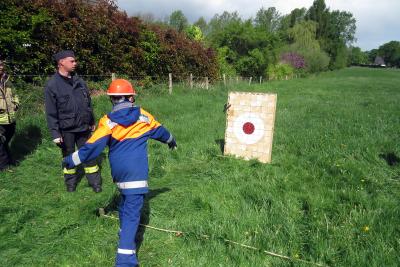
(267, 19)
(335, 30)
(178, 21)
(390, 53)
(319, 13)
(316, 60)
(321, 36)
(372, 55)
(303, 36)
(357, 57)
(194, 32)
(280, 71)
(250, 48)
(254, 64)
(224, 56)
(150, 50)
(202, 24)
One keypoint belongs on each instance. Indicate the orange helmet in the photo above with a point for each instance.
(121, 87)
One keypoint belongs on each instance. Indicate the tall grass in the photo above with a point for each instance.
(331, 194)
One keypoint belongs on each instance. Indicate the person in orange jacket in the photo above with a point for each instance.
(126, 130)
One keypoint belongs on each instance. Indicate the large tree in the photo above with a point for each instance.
(335, 31)
(202, 24)
(267, 19)
(178, 21)
(319, 13)
(357, 57)
(390, 53)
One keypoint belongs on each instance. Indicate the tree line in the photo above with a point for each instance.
(107, 40)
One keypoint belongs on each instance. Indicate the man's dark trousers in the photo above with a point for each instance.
(6, 133)
(70, 139)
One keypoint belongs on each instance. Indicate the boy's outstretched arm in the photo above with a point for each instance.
(160, 133)
(94, 146)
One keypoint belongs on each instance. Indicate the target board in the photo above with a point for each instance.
(250, 125)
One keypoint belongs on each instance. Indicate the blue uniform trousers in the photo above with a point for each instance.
(129, 218)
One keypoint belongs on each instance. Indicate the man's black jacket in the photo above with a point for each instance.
(68, 105)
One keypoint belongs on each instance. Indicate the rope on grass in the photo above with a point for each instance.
(180, 233)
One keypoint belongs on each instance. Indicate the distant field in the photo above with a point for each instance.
(330, 196)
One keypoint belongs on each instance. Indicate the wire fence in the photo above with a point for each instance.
(30, 88)
(100, 81)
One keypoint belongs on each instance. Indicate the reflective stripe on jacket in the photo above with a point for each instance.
(8, 101)
(126, 131)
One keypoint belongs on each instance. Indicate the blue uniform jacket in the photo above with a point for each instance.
(126, 131)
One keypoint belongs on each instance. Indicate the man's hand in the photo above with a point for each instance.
(93, 127)
(58, 141)
(172, 144)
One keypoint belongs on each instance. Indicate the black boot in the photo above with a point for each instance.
(97, 189)
(71, 189)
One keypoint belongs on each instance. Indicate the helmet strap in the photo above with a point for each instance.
(115, 100)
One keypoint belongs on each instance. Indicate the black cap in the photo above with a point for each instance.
(63, 54)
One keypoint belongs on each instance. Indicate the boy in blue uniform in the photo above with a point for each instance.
(125, 130)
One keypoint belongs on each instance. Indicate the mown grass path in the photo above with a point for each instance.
(331, 194)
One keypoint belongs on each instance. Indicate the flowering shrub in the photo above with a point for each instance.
(293, 59)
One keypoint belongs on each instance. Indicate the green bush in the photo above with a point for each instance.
(316, 61)
(224, 54)
(280, 71)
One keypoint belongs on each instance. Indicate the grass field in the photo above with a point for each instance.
(330, 196)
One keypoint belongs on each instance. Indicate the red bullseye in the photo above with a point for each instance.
(248, 128)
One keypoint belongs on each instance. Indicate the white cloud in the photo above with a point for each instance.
(377, 21)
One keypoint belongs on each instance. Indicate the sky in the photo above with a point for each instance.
(377, 20)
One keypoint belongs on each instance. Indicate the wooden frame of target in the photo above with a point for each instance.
(250, 125)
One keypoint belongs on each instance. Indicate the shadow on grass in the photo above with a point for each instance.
(25, 141)
(112, 206)
(221, 143)
(390, 158)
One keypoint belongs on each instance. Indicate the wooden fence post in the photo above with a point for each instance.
(237, 79)
(260, 79)
(224, 77)
(251, 78)
(206, 83)
(113, 76)
(191, 81)
(170, 83)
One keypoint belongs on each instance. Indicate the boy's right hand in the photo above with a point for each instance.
(172, 145)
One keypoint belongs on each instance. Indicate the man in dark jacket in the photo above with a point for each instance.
(70, 116)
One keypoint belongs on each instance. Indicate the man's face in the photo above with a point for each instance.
(68, 63)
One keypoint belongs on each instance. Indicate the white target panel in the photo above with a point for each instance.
(250, 125)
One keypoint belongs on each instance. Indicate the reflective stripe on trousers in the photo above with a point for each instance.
(69, 171)
(93, 169)
(129, 218)
(132, 185)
